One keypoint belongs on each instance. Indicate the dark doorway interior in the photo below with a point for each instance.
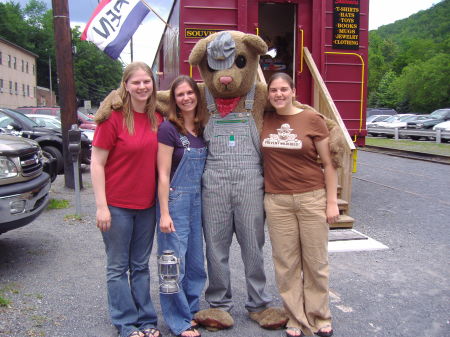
(277, 28)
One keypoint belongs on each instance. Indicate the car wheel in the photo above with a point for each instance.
(415, 137)
(55, 153)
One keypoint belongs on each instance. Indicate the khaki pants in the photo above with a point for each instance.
(299, 235)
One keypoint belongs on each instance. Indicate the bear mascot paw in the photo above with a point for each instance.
(271, 318)
(214, 319)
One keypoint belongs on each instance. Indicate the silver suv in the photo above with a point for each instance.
(24, 186)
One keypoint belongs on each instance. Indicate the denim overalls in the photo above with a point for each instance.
(232, 192)
(185, 210)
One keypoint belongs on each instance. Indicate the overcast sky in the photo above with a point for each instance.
(381, 12)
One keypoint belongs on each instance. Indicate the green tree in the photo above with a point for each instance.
(96, 74)
(424, 85)
(386, 95)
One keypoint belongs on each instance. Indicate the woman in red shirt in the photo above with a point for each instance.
(123, 171)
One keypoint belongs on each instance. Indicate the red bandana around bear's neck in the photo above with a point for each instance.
(226, 105)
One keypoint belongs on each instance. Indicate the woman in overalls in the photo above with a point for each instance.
(181, 160)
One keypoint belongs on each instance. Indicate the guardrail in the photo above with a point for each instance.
(396, 133)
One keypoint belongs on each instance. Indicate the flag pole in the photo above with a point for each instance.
(156, 13)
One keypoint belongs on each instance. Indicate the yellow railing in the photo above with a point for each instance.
(361, 105)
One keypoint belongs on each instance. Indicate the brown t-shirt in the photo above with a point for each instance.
(290, 157)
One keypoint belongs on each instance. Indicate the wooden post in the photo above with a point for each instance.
(66, 83)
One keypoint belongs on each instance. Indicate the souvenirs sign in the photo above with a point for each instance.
(198, 33)
(346, 24)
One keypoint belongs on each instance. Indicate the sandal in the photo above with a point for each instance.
(190, 329)
(135, 334)
(194, 324)
(325, 333)
(151, 332)
(296, 330)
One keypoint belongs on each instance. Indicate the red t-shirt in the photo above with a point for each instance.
(130, 170)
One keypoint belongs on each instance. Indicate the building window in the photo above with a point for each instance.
(34, 70)
(23, 89)
(1, 85)
(23, 65)
(15, 88)
(28, 90)
(9, 61)
(27, 67)
(10, 87)
(15, 62)
(1, 57)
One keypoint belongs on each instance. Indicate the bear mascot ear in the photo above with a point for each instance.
(256, 43)
(197, 53)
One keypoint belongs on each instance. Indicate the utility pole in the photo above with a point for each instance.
(66, 83)
(50, 77)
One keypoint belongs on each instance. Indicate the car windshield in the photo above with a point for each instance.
(391, 119)
(405, 118)
(22, 117)
(440, 113)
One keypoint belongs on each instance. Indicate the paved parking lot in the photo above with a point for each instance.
(52, 271)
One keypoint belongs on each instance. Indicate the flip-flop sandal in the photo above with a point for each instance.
(135, 334)
(150, 332)
(325, 333)
(190, 329)
(297, 331)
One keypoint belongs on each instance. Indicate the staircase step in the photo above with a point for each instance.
(343, 205)
(344, 221)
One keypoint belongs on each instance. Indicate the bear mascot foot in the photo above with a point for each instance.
(270, 318)
(214, 319)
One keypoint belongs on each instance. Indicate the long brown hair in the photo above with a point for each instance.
(126, 98)
(175, 115)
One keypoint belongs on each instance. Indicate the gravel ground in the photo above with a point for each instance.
(52, 271)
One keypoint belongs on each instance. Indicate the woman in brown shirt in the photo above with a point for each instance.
(300, 201)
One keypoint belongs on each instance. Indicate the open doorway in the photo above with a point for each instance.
(277, 27)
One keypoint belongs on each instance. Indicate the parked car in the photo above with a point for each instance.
(436, 117)
(403, 121)
(84, 121)
(444, 126)
(380, 111)
(53, 122)
(376, 118)
(392, 120)
(50, 140)
(47, 121)
(25, 181)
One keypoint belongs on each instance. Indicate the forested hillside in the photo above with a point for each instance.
(409, 62)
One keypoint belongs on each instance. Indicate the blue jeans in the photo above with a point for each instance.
(185, 207)
(128, 244)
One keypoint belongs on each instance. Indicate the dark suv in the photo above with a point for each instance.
(24, 186)
(50, 140)
(436, 117)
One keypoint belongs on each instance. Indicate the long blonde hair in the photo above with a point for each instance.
(126, 98)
